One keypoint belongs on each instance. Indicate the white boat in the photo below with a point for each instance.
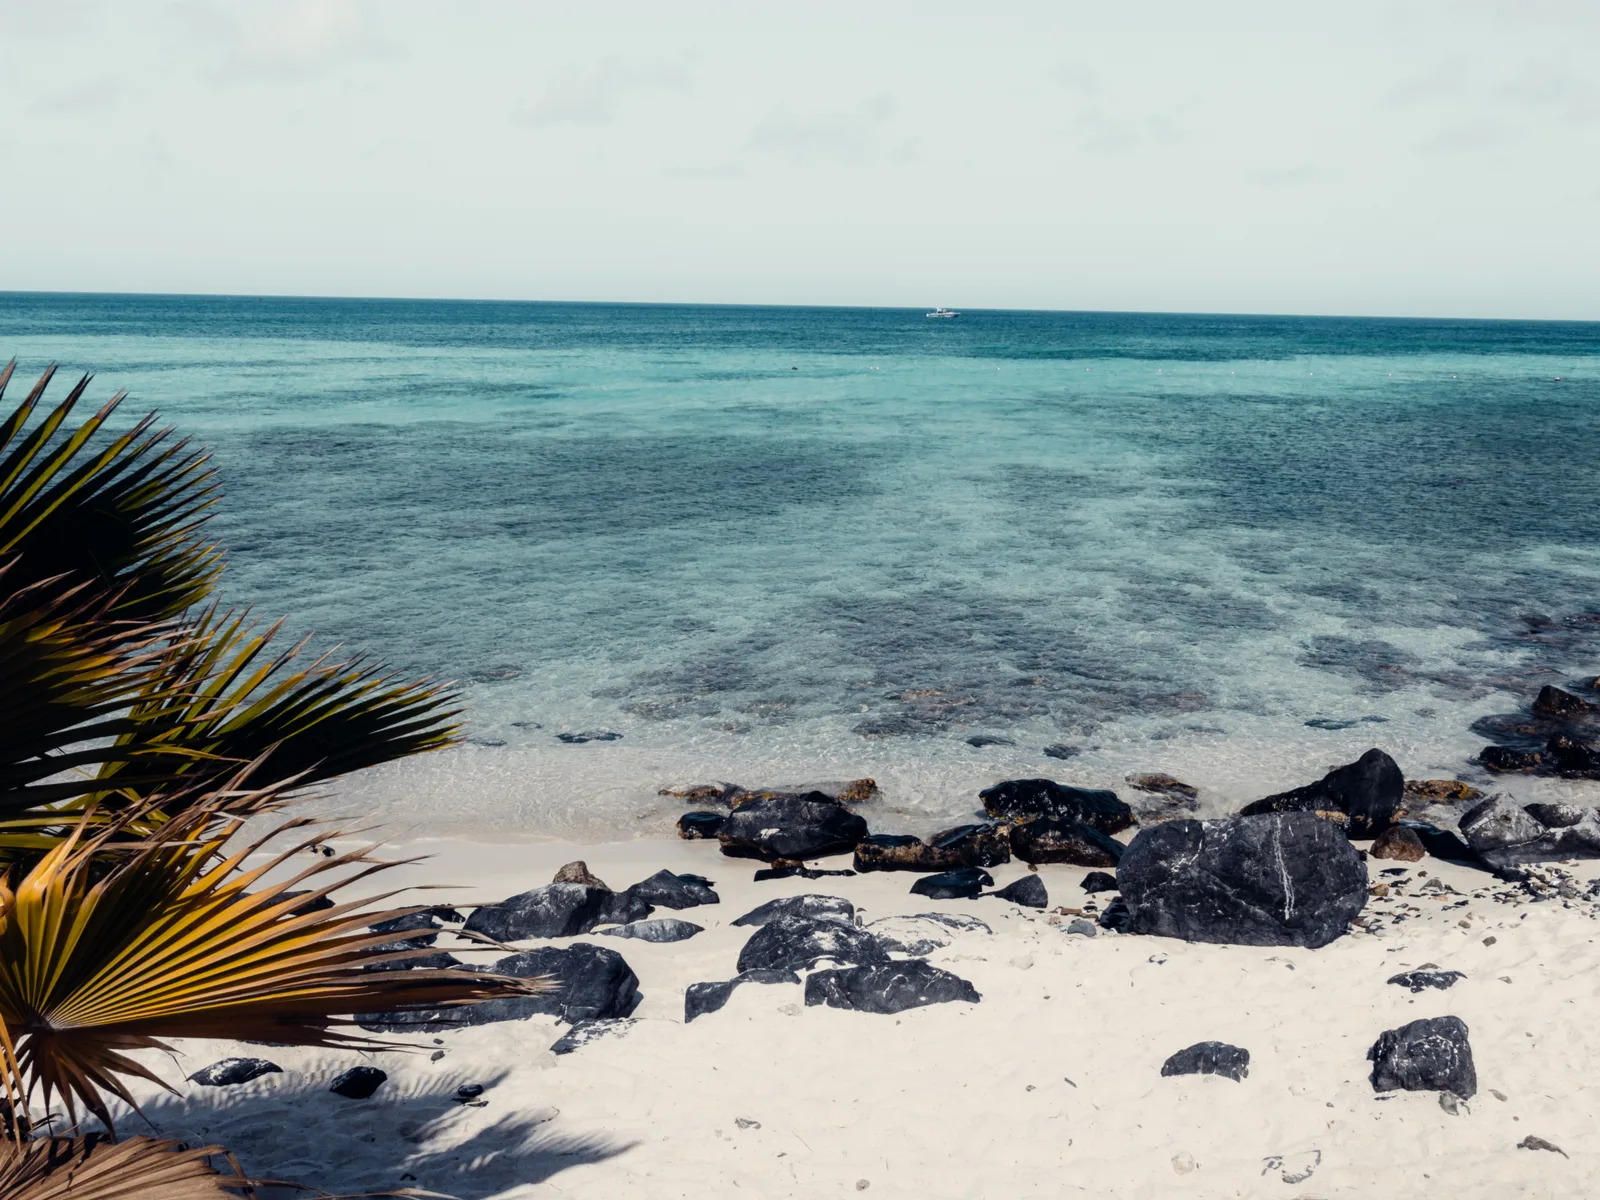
(943, 312)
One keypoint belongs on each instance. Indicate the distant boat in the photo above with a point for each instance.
(942, 312)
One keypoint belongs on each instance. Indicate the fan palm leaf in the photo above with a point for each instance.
(140, 1168)
(183, 936)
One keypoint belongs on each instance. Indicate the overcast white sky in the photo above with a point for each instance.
(1440, 157)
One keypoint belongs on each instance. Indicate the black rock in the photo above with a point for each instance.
(1369, 792)
(981, 845)
(888, 988)
(694, 826)
(426, 925)
(658, 929)
(675, 891)
(809, 826)
(1441, 843)
(585, 1032)
(229, 1071)
(702, 998)
(1504, 834)
(1059, 840)
(589, 735)
(964, 883)
(1029, 891)
(980, 740)
(1554, 702)
(797, 943)
(1209, 1058)
(556, 910)
(591, 982)
(810, 906)
(439, 960)
(1571, 759)
(1047, 798)
(1506, 760)
(1430, 1055)
(919, 934)
(1557, 816)
(310, 906)
(783, 869)
(1417, 980)
(1099, 881)
(358, 1083)
(1284, 879)
(1061, 750)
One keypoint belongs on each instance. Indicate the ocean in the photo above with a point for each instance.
(769, 545)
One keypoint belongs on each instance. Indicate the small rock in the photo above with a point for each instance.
(1183, 1162)
(888, 988)
(1209, 1058)
(589, 735)
(862, 1185)
(811, 906)
(1061, 750)
(697, 826)
(1432, 1055)
(584, 1032)
(1098, 881)
(358, 1083)
(700, 793)
(1058, 840)
(555, 910)
(1164, 785)
(1451, 1103)
(658, 929)
(703, 998)
(980, 740)
(1029, 891)
(1417, 980)
(1556, 702)
(578, 872)
(1507, 760)
(964, 846)
(675, 891)
(1398, 842)
(797, 943)
(227, 1072)
(783, 868)
(797, 827)
(1083, 928)
(469, 1091)
(436, 1056)
(746, 1123)
(962, 884)
(1538, 1143)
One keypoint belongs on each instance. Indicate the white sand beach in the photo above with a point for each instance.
(1048, 1087)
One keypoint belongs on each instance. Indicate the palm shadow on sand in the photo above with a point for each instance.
(419, 1135)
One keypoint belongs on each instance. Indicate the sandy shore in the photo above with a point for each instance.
(1049, 1087)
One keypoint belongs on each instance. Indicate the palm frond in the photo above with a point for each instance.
(140, 1168)
(123, 516)
(182, 936)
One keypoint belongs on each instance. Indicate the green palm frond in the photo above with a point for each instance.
(122, 517)
(184, 936)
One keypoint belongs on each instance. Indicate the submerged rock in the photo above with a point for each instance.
(1210, 1058)
(964, 846)
(659, 929)
(1061, 750)
(1504, 834)
(590, 982)
(1430, 1055)
(798, 943)
(228, 1072)
(700, 793)
(1509, 760)
(1017, 798)
(1029, 891)
(802, 827)
(697, 826)
(555, 910)
(703, 998)
(850, 791)
(1282, 879)
(1163, 785)
(1059, 840)
(810, 906)
(1399, 843)
(358, 1083)
(675, 891)
(1571, 759)
(1368, 793)
(888, 988)
(1556, 702)
(1439, 791)
(589, 735)
(964, 883)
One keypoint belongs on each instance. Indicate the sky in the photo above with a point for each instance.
(1425, 157)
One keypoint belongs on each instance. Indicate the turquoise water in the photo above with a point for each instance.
(808, 543)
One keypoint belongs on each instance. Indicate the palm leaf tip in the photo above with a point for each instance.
(140, 1168)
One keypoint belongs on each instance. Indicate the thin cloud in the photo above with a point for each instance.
(294, 41)
(595, 95)
(857, 137)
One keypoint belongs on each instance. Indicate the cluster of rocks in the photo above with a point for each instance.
(1559, 736)
(358, 1083)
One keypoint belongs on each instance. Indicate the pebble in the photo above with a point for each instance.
(1183, 1162)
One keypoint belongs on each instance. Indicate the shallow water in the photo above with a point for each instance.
(772, 544)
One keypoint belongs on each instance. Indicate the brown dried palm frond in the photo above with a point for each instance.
(107, 949)
(139, 1168)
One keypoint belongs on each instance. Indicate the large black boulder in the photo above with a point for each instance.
(1369, 792)
(1058, 840)
(964, 883)
(888, 987)
(702, 998)
(1503, 833)
(1282, 879)
(981, 845)
(675, 891)
(811, 905)
(1209, 1058)
(1046, 798)
(556, 910)
(796, 943)
(590, 982)
(1430, 1055)
(227, 1072)
(797, 827)
(1029, 891)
